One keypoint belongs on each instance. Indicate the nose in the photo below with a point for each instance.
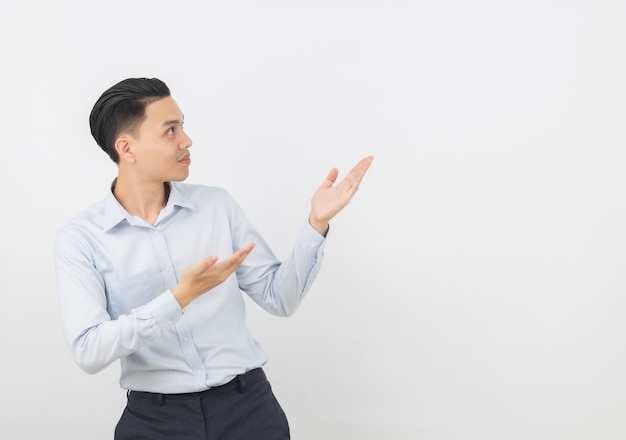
(186, 141)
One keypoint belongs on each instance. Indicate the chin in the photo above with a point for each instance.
(180, 176)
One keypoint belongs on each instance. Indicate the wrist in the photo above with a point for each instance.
(181, 295)
(321, 226)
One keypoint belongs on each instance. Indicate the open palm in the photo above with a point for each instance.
(329, 198)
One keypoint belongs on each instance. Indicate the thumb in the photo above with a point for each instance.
(209, 261)
(332, 177)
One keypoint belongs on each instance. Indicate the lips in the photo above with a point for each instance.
(186, 159)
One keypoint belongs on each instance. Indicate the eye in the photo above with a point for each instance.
(170, 131)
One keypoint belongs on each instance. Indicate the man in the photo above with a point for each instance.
(152, 275)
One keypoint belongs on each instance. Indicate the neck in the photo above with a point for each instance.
(142, 199)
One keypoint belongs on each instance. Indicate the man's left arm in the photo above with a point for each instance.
(278, 287)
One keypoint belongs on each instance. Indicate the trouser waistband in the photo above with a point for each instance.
(240, 382)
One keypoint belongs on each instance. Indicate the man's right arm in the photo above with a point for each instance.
(94, 338)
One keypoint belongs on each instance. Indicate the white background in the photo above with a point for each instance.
(474, 288)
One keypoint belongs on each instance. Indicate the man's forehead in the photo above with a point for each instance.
(163, 110)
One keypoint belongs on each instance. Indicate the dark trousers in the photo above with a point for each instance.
(244, 408)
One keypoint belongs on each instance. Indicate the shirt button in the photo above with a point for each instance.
(167, 269)
(169, 323)
(199, 371)
(186, 339)
(156, 232)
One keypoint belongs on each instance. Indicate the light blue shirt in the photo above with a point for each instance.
(115, 272)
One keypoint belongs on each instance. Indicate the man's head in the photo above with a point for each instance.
(122, 108)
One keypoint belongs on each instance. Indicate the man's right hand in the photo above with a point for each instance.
(205, 275)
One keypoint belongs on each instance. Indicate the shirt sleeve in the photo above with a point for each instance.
(278, 287)
(94, 338)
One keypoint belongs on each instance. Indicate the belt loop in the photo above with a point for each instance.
(241, 383)
(160, 399)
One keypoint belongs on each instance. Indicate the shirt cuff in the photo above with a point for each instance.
(164, 309)
(312, 240)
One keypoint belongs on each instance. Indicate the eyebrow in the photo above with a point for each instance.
(172, 122)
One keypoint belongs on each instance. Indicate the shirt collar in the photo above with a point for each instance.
(114, 212)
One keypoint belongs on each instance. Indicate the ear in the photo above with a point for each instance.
(124, 150)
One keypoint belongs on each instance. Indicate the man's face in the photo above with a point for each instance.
(159, 145)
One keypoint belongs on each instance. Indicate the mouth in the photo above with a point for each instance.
(186, 160)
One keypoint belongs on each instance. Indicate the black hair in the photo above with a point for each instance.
(121, 108)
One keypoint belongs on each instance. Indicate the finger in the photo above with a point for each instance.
(356, 174)
(237, 258)
(366, 162)
(204, 265)
(331, 178)
(247, 248)
(363, 165)
(209, 261)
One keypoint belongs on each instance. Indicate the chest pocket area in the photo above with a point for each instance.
(125, 294)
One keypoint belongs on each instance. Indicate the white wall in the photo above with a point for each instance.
(474, 289)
